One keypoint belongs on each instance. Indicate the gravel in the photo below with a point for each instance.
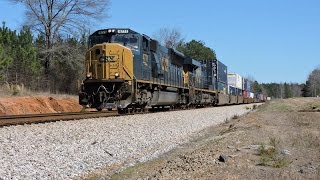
(72, 149)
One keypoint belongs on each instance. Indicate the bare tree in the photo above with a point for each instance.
(52, 18)
(314, 79)
(168, 37)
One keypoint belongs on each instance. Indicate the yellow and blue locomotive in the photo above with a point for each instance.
(134, 72)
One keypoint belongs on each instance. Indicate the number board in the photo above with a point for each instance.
(123, 31)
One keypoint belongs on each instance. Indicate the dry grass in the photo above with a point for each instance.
(291, 105)
(8, 90)
(288, 147)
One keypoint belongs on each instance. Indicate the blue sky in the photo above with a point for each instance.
(271, 40)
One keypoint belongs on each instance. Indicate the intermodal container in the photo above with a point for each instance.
(232, 90)
(235, 80)
(222, 72)
(222, 87)
(245, 93)
(239, 92)
(235, 91)
(244, 84)
(248, 86)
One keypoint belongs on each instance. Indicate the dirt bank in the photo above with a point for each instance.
(38, 104)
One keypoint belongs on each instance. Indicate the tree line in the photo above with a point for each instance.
(23, 61)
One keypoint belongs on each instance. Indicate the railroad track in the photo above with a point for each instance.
(9, 120)
(51, 117)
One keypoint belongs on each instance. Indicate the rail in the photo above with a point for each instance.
(8, 120)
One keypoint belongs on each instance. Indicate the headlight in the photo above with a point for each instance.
(89, 75)
(116, 74)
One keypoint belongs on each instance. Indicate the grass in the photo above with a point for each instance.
(271, 156)
(307, 140)
(312, 107)
(83, 110)
(9, 90)
(254, 106)
(276, 106)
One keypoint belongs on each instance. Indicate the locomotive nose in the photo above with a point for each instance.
(110, 61)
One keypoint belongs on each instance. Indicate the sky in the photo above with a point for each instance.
(270, 40)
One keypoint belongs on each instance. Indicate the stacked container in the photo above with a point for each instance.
(249, 86)
(211, 85)
(235, 80)
(244, 87)
(235, 91)
(220, 73)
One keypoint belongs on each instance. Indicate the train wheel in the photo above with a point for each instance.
(123, 110)
(120, 111)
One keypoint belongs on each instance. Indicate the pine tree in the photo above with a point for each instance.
(287, 91)
(306, 90)
(197, 50)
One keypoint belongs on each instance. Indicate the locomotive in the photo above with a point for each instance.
(133, 72)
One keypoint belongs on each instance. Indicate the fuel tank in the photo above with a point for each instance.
(164, 98)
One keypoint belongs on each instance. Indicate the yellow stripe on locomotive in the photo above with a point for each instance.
(109, 61)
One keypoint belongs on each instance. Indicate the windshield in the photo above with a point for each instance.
(128, 40)
(99, 39)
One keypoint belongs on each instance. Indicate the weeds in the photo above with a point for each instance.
(271, 156)
(254, 106)
(274, 142)
(11, 89)
(83, 110)
(266, 155)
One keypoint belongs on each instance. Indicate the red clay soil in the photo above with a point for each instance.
(37, 105)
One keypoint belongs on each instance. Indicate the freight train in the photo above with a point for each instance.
(133, 72)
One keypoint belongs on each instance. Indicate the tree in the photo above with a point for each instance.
(314, 79)
(68, 65)
(26, 65)
(287, 91)
(306, 89)
(18, 57)
(5, 62)
(51, 18)
(7, 50)
(256, 87)
(197, 50)
(168, 37)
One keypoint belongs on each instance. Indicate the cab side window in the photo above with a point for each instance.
(145, 44)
